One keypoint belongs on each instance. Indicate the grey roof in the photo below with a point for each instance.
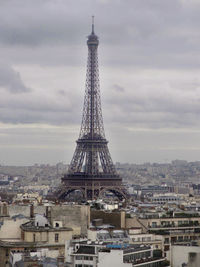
(86, 250)
(45, 262)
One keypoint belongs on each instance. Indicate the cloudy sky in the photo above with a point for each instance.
(149, 57)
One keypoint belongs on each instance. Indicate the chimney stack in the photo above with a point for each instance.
(31, 211)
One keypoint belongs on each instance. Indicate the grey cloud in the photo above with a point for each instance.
(61, 92)
(137, 33)
(133, 35)
(33, 23)
(149, 104)
(118, 88)
(154, 107)
(39, 108)
(147, 47)
(11, 80)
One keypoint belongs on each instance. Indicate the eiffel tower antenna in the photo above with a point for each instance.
(91, 169)
(92, 24)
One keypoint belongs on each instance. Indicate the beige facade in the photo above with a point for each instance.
(135, 222)
(172, 222)
(11, 228)
(32, 239)
(73, 216)
(162, 223)
(47, 235)
(20, 233)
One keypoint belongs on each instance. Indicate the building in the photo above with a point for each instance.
(18, 258)
(33, 232)
(108, 236)
(188, 256)
(36, 234)
(41, 231)
(102, 255)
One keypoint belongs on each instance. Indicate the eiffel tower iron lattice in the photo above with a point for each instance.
(91, 169)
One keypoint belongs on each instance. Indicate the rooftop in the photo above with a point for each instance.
(30, 226)
(84, 249)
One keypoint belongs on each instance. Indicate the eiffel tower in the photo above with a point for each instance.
(91, 170)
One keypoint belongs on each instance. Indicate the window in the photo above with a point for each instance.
(79, 257)
(88, 258)
(166, 240)
(7, 253)
(34, 238)
(56, 238)
(154, 224)
(180, 238)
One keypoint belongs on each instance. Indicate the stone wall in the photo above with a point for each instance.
(72, 216)
(25, 210)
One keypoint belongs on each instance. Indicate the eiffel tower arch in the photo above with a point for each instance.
(91, 170)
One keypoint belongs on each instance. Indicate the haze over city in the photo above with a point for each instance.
(149, 76)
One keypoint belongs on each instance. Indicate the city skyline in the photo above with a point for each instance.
(148, 71)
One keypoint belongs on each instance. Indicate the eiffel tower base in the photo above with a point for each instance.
(91, 188)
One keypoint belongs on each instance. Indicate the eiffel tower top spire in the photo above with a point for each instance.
(92, 156)
(92, 120)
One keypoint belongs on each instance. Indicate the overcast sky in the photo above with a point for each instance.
(149, 57)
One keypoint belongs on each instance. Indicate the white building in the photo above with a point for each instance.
(99, 254)
(188, 255)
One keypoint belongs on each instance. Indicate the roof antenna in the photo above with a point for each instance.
(92, 24)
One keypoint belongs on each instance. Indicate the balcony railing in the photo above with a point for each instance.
(190, 224)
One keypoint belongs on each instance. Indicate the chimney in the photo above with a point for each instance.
(5, 210)
(31, 211)
(48, 213)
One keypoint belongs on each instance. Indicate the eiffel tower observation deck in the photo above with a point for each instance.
(91, 170)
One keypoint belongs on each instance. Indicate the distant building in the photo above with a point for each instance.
(166, 198)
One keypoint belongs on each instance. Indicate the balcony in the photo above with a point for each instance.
(172, 225)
